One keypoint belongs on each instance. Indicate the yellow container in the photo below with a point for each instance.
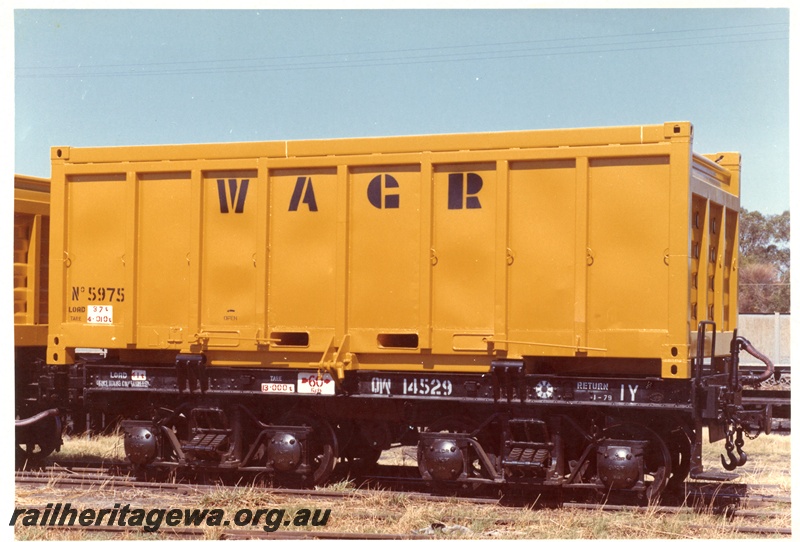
(31, 234)
(604, 246)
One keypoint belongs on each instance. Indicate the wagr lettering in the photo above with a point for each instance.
(375, 192)
(382, 193)
(303, 193)
(237, 191)
(462, 191)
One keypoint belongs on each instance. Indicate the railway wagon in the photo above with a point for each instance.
(31, 255)
(31, 260)
(533, 307)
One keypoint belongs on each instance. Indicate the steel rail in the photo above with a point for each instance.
(238, 534)
(185, 488)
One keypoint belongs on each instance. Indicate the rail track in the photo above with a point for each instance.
(749, 509)
(252, 534)
(91, 477)
(715, 497)
(184, 533)
(775, 392)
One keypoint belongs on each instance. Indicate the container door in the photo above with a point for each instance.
(96, 297)
(542, 238)
(229, 272)
(302, 256)
(464, 256)
(384, 293)
(165, 259)
(628, 279)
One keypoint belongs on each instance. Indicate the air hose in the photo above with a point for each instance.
(769, 370)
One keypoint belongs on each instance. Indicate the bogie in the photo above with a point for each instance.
(531, 446)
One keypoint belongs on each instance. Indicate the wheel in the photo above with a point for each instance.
(680, 448)
(361, 460)
(657, 459)
(323, 448)
(358, 452)
(36, 442)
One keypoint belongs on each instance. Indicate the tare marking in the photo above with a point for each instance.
(276, 387)
(99, 314)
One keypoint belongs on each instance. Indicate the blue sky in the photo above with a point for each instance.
(117, 77)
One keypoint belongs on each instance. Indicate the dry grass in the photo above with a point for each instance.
(400, 514)
(769, 460)
(389, 514)
(88, 448)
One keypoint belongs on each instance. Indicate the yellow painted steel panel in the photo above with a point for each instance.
(464, 251)
(384, 279)
(714, 280)
(543, 267)
(698, 223)
(31, 246)
(95, 257)
(729, 292)
(302, 257)
(228, 306)
(26, 254)
(628, 277)
(165, 260)
(438, 143)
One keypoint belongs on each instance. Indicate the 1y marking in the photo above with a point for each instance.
(632, 389)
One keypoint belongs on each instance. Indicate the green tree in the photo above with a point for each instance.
(764, 285)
